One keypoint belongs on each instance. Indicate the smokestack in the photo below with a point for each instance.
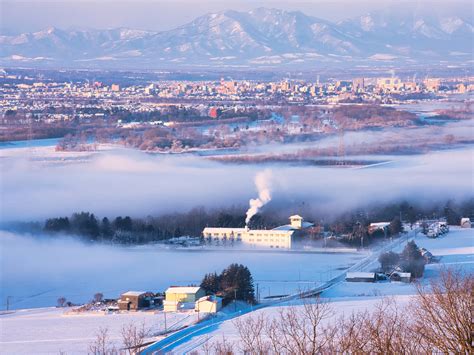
(262, 182)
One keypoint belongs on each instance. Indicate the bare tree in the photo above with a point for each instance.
(102, 345)
(61, 301)
(442, 313)
(133, 338)
(299, 329)
(98, 297)
(207, 346)
(223, 347)
(252, 334)
(347, 336)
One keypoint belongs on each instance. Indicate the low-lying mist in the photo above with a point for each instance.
(36, 271)
(126, 182)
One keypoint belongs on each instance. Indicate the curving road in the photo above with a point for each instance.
(192, 334)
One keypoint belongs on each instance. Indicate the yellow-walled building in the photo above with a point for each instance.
(178, 297)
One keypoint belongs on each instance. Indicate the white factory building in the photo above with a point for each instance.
(280, 237)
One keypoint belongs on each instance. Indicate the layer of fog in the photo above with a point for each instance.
(127, 182)
(36, 271)
(462, 130)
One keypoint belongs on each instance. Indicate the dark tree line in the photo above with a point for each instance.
(352, 225)
(234, 282)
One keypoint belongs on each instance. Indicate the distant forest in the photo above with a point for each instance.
(351, 225)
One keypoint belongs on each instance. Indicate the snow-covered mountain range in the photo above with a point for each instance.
(261, 37)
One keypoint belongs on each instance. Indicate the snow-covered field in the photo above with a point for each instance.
(37, 271)
(50, 330)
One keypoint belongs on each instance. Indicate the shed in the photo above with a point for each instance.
(401, 276)
(465, 222)
(132, 301)
(360, 277)
(208, 304)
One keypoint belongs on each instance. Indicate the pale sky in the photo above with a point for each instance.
(33, 15)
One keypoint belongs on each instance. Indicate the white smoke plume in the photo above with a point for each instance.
(262, 182)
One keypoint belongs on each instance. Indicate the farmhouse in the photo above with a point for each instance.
(132, 301)
(279, 237)
(182, 297)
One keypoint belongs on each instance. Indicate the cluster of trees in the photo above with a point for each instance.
(352, 116)
(127, 230)
(352, 226)
(410, 260)
(63, 302)
(437, 321)
(233, 283)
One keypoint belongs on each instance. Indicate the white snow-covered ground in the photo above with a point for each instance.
(50, 330)
(456, 249)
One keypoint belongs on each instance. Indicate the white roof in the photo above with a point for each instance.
(209, 298)
(296, 216)
(380, 224)
(183, 289)
(360, 275)
(133, 293)
(221, 229)
(289, 227)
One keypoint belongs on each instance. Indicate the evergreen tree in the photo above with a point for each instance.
(106, 228)
(60, 224)
(210, 283)
(389, 260)
(85, 224)
(412, 260)
(452, 217)
(236, 282)
(395, 226)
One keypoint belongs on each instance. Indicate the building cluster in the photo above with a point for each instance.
(90, 100)
(176, 298)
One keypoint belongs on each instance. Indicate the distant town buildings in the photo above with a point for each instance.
(51, 101)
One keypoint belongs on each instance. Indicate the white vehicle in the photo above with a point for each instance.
(443, 227)
(433, 232)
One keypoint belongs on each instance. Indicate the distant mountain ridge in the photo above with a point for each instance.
(257, 38)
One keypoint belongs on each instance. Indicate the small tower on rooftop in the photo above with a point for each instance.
(296, 221)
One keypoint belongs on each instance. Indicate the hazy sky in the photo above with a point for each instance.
(33, 15)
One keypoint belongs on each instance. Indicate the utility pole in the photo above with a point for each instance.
(164, 312)
(235, 300)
